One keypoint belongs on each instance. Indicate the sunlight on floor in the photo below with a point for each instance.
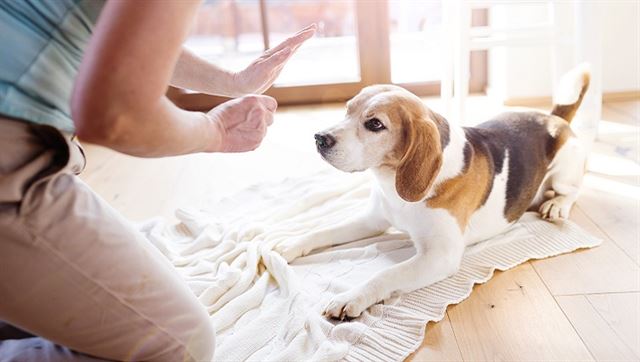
(612, 187)
(612, 165)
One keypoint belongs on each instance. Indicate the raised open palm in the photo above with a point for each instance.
(262, 72)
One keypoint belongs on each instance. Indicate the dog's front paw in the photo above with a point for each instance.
(292, 250)
(556, 208)
(348, 305)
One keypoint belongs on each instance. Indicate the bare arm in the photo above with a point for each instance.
(119, 96)
(195, 73)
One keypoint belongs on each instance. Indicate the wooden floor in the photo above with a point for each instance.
(580, 306)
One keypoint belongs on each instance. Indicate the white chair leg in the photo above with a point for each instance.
(588, 39)
(446, 81)
(555, 49)
(461, 63)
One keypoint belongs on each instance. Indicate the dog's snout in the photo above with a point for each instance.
(324, 141)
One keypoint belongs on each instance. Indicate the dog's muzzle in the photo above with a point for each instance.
(324, 142)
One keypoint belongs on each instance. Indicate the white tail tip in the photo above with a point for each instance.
(571, 84)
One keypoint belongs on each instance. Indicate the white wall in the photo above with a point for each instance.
(524, 72)
(621, 45)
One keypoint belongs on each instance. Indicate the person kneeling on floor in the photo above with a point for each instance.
(73, 271)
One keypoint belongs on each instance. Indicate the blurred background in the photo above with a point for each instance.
(515, 49)
(358, 43)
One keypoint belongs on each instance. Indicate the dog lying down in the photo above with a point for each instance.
(446, 186)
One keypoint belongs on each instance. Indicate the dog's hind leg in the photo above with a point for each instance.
(564, 178)
(567, 168)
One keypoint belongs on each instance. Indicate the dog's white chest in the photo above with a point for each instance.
(412, 217)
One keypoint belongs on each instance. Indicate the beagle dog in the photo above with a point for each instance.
(446, 186)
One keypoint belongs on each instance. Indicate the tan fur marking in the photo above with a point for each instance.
(465, 193)
(567, 111)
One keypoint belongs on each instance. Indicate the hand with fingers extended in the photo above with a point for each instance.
(242, 123)
(262, 72)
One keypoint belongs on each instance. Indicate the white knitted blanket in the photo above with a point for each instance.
(266, 310)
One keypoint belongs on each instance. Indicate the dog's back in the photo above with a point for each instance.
(517, 153)
(519, 144)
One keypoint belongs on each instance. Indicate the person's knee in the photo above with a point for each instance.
(201, 345)
(194, 341)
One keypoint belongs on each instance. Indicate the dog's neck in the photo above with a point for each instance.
(452, 162)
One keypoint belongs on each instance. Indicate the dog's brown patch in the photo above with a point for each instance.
(568, 111)
(465, 193)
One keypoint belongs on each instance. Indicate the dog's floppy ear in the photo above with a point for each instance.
(421, 160)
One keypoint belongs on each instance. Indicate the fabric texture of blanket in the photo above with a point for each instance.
(266, 310)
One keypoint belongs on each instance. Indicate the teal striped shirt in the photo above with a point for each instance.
(41, 47)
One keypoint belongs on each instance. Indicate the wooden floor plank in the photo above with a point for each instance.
(622, 314)
(601, 340)
(615, 210)
(618, 137)
(630, 110)
(514, 318)
(602, 269)
(611, 190)
(439, 344)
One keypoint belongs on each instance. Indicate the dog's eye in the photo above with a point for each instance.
(374, 125)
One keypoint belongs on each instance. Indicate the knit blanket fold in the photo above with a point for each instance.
(264, 309)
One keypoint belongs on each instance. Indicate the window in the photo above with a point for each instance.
(358, 43)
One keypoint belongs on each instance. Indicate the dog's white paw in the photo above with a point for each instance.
(292, 250)
(347, 305)
(557, 208)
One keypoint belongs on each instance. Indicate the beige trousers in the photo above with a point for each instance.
(74, 271)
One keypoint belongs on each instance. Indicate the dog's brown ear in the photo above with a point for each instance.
(421, 160)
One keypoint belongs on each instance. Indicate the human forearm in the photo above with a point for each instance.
(161, 130)
(195, 73)
(194, 101)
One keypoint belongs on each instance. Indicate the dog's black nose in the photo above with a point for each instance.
(324, 141)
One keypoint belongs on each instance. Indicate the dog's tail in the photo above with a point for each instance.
(570, 91)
